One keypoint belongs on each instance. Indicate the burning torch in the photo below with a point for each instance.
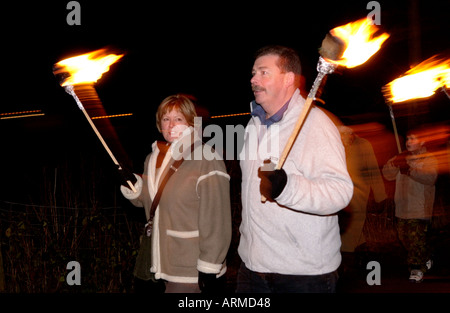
(421, 81)
(79, 73)
(349, 45)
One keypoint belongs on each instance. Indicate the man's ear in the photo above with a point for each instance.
(289, 79)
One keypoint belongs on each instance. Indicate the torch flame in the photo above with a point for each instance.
(360, 42)
(86, 68)
(421, 81)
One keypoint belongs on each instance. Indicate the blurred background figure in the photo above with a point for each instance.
(437, 138)
(415, 172)
(364, 170)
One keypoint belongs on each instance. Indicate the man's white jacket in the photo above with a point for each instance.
(299, 233)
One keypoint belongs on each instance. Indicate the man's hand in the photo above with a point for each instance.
(401, 163)
(272, 181)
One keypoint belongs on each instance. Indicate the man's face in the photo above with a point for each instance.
(267, 81)
(413, 143)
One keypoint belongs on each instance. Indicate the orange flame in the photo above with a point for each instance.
(360, 42)
(86, 68)
(421, 81)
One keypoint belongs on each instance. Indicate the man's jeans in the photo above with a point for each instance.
(253, 282)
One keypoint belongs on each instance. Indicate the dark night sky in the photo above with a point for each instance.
(201, 48)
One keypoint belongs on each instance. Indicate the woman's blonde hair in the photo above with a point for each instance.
(182, 103)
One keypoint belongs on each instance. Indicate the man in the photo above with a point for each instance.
(415, 172)
(291, 242)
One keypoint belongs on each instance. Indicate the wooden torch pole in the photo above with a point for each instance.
(69, 89)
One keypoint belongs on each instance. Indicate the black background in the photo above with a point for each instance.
(201, 48)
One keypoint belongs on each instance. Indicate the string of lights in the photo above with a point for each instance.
(110, 116)
(230, 115)
(29, 113)
(38, 113)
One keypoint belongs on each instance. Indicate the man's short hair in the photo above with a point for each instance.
(289, 60)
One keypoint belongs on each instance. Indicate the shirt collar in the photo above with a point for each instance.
(257, 110)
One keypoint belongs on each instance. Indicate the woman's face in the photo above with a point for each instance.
(173, 123)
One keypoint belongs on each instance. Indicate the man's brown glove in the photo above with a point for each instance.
(400, 162)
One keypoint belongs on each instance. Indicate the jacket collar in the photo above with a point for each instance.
(258, 111)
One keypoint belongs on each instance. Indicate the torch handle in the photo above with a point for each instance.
(101, 138)
(323, 68)
(69, 89)
(295, 132)
(298, 126)
(291, 139)
(105, 145)
(394, 125)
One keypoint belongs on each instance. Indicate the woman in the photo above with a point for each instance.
(192, 224)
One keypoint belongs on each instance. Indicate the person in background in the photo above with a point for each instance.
(364, 170)
(415, 173)
(192, 224)
(291, 242)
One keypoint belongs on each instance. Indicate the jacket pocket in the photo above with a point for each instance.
(183, 248)
(182, 234)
